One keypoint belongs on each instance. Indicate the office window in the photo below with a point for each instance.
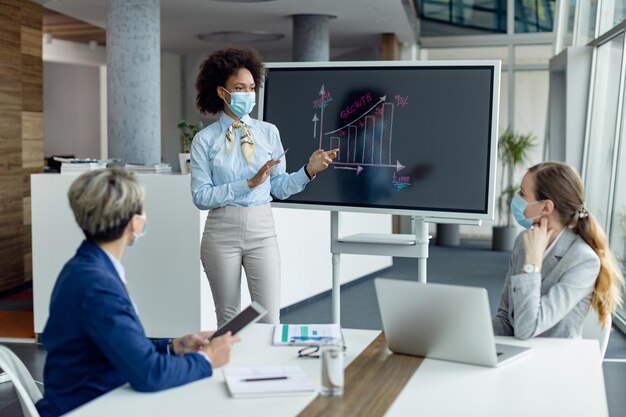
(617, 234)
(534, 16)
(613, 12)
(486, 16)
(618, 225)
(568, 32)
(601, 140)
(585, 24)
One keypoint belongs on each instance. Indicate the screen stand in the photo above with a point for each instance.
(400, 245)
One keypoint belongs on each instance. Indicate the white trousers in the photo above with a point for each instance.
(235, 237)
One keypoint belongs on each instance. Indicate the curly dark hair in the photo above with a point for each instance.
(217, 68)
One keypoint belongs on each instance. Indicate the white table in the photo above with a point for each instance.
(559, 378)
(209, 397)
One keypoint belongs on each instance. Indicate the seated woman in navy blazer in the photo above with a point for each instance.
(93, 336)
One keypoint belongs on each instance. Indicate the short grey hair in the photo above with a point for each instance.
(104, 201)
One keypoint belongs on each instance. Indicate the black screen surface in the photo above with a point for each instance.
(410, 138)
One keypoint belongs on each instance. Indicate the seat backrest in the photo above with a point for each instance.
(592, 330)
(25, 386)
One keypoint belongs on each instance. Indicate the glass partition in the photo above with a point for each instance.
(585, 22)
(613, 12)
(618, 224)
(482, 15)
(601, 140)
(534, 16)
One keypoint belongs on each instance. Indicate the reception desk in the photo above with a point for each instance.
(165, 277)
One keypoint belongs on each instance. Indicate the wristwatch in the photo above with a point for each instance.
(530, 268)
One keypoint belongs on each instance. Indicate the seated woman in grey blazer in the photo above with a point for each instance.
(561, 265)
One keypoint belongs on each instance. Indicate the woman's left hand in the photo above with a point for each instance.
(536, 240)
(191, 342)
(319, 160)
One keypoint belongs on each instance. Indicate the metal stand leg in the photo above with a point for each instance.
(336, 297)
(336, 294)
(420, 229)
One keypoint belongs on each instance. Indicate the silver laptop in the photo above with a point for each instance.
(441, 322)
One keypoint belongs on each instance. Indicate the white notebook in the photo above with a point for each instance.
(247, 382)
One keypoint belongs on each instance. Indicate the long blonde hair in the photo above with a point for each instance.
(560, 183)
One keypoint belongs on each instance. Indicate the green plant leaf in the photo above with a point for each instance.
(513, 151)
(188, 132)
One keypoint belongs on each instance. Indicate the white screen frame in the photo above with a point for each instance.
(440, 216)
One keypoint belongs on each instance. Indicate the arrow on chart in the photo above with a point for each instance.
(398, 165)
(358, 169)
(322, 95)
(315, 120)
(383, 98)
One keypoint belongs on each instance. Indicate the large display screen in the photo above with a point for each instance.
(413, 138)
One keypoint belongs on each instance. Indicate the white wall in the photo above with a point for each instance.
(191, 68)
(69, 94)
(71, 110)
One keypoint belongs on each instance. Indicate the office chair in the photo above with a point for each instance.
(27, 391)
(592, 330)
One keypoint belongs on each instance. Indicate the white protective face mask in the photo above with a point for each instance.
(144, 231)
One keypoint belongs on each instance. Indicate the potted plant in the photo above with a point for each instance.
(513, 149)
(187, 133)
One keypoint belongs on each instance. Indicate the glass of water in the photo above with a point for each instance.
(331, 352)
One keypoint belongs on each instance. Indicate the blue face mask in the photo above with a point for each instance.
(241, 104)
(518, 207)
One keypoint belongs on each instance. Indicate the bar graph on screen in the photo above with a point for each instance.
(366, 138)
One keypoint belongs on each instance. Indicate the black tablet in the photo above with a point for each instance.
(252, 313)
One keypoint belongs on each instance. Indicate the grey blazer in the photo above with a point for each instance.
(553, 302)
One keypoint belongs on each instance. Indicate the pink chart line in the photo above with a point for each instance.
(383, 98)
(366, 165)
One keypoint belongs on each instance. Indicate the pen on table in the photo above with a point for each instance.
(264, 378)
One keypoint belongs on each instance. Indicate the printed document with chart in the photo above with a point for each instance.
(304, 334)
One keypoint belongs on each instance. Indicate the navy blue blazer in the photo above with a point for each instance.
(95, 341)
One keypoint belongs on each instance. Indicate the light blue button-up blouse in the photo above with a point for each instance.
(220, 178)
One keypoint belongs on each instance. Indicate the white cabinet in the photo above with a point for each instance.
(165, 278)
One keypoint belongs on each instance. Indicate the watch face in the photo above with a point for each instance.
(530, 268)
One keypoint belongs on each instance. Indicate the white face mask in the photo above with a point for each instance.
(143, 231)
